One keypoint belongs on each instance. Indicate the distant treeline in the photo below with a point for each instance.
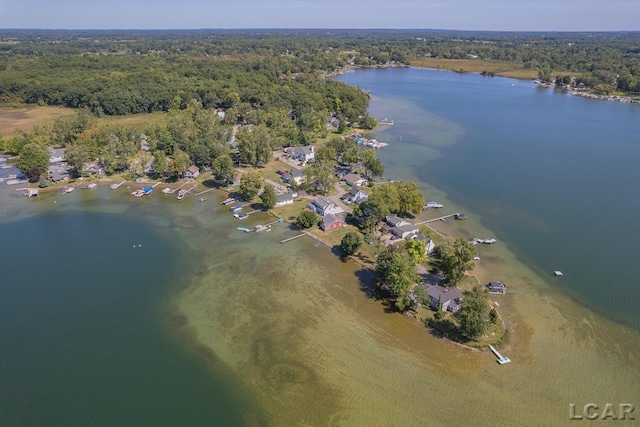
(125, 72)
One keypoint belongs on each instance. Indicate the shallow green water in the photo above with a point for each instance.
(555, 176)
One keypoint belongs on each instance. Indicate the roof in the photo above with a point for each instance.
(396, 221)
(193, 169)
(306, 150)
(322, 203)
(353, 177)
(496, 285)
(329, 219)
(285, 197)
(57, 152)
(355, 190)
(442, 293)
(297, 173)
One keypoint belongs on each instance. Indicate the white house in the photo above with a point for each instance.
(297, 176)
(450, 298)
(324, 206)
(356, 195)
(303, 154)
(193, 172)
(429, 246)
(355, 180)
(285, 199)
(401, 228)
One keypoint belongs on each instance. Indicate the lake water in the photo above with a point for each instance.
(553, 175)
(201, 324)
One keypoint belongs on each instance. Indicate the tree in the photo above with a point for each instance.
(396, 273)
(180, 162)
(416, 250)
(372, 163)
(269, 197)
(250, 184)
(222, 168)
(383, 200)
(455, 259)
(160, 163)
(42, 182)
(77, 155)
(320, 176)
(254, 145)
(409, 198)
(350, 243)
(474, 316)
(306, 219)
(34, 174)
(33, 155)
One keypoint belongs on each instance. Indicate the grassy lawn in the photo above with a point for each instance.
(26, 118)
(289, 210)
(501, 68)
(138, 122)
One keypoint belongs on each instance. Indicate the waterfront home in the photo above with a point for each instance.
(324, 206)
(429, 246)
(355, 195)
(297, 176)
(332, 222)
(58, 174)
(400, 227)
(355, 180)
(303, 154)
(148, 167)
(497, 288)
(450, 298)
(192, 172)
(56, 155)
(285, 199)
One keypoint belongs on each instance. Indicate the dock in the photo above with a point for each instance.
(115, 186)
(205, 191)
(501, 360)
(293, 238)
(173, 190)
(440, 218)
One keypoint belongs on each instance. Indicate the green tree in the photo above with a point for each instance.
(180, 162)
(160, 163)
(383, 200)
(306, 219)
(222, 168)
(254, 145)
(350, 243)
(269, 197)
(416, 250)
(42, 182)
(250, 184)
(371, 163)
(410, 200)
(33, 155)
(474, 317)
(455, 259)
(396, 273)
(320, 177)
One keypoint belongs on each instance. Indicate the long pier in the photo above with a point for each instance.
(440, 218)
(205, 191)
(293, 238)
(115, 186)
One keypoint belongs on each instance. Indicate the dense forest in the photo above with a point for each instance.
(125, 72)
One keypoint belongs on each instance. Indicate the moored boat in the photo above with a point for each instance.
(236, 208)
(228, 201)
(138, 193)
(92, 185)
(148, 189)
(181, 194)
(68, 189)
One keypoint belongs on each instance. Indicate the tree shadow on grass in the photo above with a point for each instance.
(445, 328)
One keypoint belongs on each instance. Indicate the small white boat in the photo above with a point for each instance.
(557, 273)
(92, 185)
(68, 189)
(138, 193)
(166, 190)
(181, 194)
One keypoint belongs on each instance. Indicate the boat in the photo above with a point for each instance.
(228, 201)
(92, 185)
(246, 230)
(202, 200)
(460, 216)
(558, 273)
(236, 208)
(30, 192)
(68, 189)
(433, 204)
(181, 194)
(148, 189)
(258, 228)
(138, 193)
(166, 190)
(241, 216)
(489, 241)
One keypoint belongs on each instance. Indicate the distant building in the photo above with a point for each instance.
(285, 199)
(400, 227)
(303, 154)
(355, 195)
(56, 155)
(355, 180)
(324, 206)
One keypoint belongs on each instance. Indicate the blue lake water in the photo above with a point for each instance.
(555, 176)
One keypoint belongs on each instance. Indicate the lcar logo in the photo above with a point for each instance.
(609, 411)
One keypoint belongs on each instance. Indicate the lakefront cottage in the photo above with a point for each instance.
(324, 206)
(450, 298)
(332, 222)
(303, 154)
(192, 173)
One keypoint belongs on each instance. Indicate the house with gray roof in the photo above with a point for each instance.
(355, 179)
(400, 227)
(497, 288)
(450, 298)
(355, 195)
(303, 154)
(56, 155)
(285, 199)
(324, 206)
(429, 246)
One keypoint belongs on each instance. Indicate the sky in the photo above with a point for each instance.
(498, 15)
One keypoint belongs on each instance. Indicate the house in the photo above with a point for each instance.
(148, 167)
(56, 155)
(428, 243)
(450, 298)
(400, 227)
(192, 172)
(497, 288)
(285, 199)
(332, 222)
(286, 177)
(324, 206)
(355, 195)
(297, 176)
(303, 154)
(355, 180)
(58, 174)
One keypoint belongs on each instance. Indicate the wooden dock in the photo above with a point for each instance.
(116, 186)
(205, 191)
(501, 360)
(440, 218)
(293, 238)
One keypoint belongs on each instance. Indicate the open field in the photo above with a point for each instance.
(500, 68)
(137, 121)
(12, 119)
